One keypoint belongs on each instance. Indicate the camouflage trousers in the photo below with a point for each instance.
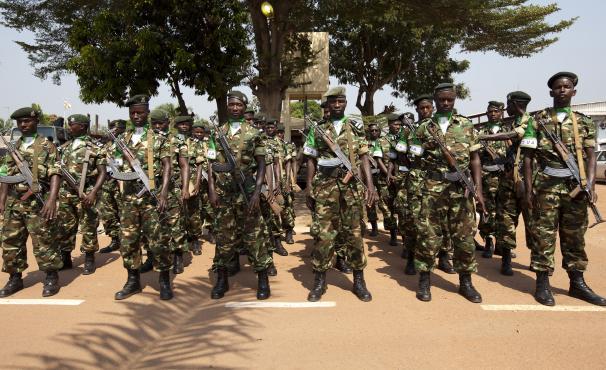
(21, 219)
(139, 219)
(72, 214)
(235, 229)
(509, 208)
(556, 213)
(338, 207)
(109, 210)
(207, 214)
(400, 202)
(490, 186)
(192, 218)
(272, 220)
(288, 211)
(448, 213)
(172, 226)
(385, 205)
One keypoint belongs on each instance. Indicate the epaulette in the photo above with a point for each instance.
(357, 124)
(581, 114)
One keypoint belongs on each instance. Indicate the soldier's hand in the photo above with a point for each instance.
(196, 190)
(49, 210)
(162, 202)
(371, 197)
(529, 200)
(253, 203)
(89, 200)
(213, 199)
(185, 195)
(390, 179)
(310, 202)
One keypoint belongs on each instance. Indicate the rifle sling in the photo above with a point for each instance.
(349, 143)
(150, 160)
(84, 172)
(579, 149)
(37, 149)
(516, 162)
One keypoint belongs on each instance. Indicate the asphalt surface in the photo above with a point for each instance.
(395, 330)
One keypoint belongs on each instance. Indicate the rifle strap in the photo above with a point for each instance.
(240, 143)
(516, 163)
(37, 149)
(84, 172)
(579, 149)
(150, 159)
(349, 137)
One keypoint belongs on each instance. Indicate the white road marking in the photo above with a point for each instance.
(280, 304)
(46, 302)
(532, 307)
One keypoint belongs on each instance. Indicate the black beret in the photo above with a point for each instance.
(235, 94)
(180, 119)
(280, 127)
(78, 118)
(518, 96)
(323, 105)
(497, 104)
(140, 99)
(26, 112)
(393, 117)
(159, 115)
(250, 111)
(118, 123)
(571, 76)
(271, 121)
(408, 115)
(420, 98)
(335, 92)
(259, 116)
(444, 86)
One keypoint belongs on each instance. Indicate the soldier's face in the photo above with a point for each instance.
(235, 108)
(160, 126)
(326, 112)
(119, 130)
(374, 132)
(184, 128)
(270, 130)
(198, 133)
(445, 100)
(424, 109)
(28, 126)
(394, 126)
(562, 91)
(77, 129)
(494, 114)
(515, 108)
(336, 106)
(249, 118)
(138, 114)
(280, 134)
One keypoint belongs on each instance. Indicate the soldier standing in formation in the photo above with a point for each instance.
(381, 178)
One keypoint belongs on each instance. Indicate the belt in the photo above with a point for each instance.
(375, 171)
(335, 172)
(329, 162)
(493, 168)
(443, 176)
(557, 172)
(403, 169)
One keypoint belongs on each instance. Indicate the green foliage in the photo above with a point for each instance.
(313, 109)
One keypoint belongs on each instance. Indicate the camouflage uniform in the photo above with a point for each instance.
(139, 217)
(233, 226)
(338, 205)
(556, 212)
(109, 210)
(192, 222)
(385, 201)
(22, 217)
(274, 153)
(172, 226)
(444, 207)
(206, 210)
(288, 211)
(394, 150)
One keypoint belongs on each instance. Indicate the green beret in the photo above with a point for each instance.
(250, 111)
(569, 75)
(271, 121)
(198, 124)
(518, 96)
(259, 116)
(393, 117)
(180, 119)
(335, 92)
(373, 123)
(237, 95)
(118, 123)
(158, 115)
(444, 86)
(420, 98)
(26, 112)
(140, 99)
(78, 118)
(497, 104)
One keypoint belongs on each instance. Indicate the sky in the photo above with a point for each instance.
(580, 49)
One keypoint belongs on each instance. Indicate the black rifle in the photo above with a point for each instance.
(26, 175)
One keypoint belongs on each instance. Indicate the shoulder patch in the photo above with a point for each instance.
(357, 124)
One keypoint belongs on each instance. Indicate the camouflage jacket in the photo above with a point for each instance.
(178, 148)
(498, 148)
(73, 154)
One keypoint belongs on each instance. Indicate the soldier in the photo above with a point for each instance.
(140, 216)
(200, 132)
(492, 156)
(237, 220)
(314, 228)
(289, 179)
(83, 168)
(381, 178)
(398, 169)
(259, 121)
(335, 199)
(249, 116)
(109, 209)
(25, 213)
(556, 209)
(446, 204)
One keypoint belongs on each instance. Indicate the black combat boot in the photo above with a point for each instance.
(410, 263)
(263, 291)
(359, 287)
(132, 286)
(112, 247)
(319, 288)
(423, 291)
(271, 270)
(196, 247)
(222, 284)
(444, 263)
(542, 293)
(467, 290)
(374, 231)
(51, 284)
(178, 262)
(148, 265)
(13, 285)
(580, 290)
(342, 266)
(89, 263)
(489, 249)
(506, 262)
(279, 248)
(479, 247)
(166, 291)
(232, 270)
(393, 241)
(66, 257)
(289, 239)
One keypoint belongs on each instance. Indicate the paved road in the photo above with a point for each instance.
(393, 331)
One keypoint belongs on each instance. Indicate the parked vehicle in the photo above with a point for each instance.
(600, 172)
(58, 135)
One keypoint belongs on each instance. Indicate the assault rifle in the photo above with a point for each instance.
(25, 175)
(572, 165)
(71, 180)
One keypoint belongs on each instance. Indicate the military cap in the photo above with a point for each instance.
(323, 104)
(140, 99)
(250, 111)
(518, 96)
(118, 123)
(569, 75)
(408, 115)
(271, 121)
(78, 118)
(335, 92)
(180, 119)
(420, 98)
(393, 117)
(280, 127)
(26, 112)
(235, 94)
(444, 86)
(497, 104)
(259, 116)
(373, 123)
(158, 115)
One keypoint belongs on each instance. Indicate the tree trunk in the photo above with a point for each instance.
(221, 108)
(368, 107)
(176, 92)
